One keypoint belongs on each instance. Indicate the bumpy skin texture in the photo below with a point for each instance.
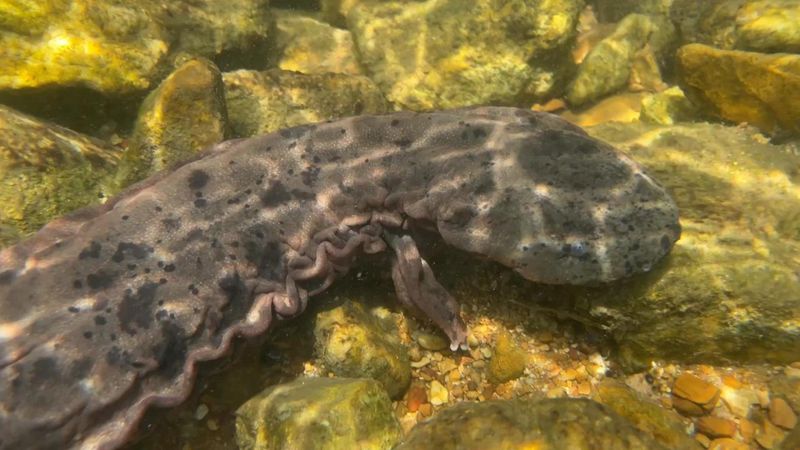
(105, 313)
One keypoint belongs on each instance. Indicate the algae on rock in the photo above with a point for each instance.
(757, 88)
(320, 414)
(607, 67)
(351, 342)
(451, 53)
(263, 102)
(46, 171)
(183, 116)
(729, 290)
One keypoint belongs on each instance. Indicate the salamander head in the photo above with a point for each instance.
(560, 207)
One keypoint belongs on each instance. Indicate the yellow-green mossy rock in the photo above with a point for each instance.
(760, 89)
(553, 424)
(607, 67)
(450, 53)
(108, 46)
(238, 30)
(769, 26)
(263, 102)
(310, 46)
(663, 424)
(729, 291)
(120, 47)
(351, 342)
(319, 414)
(508, 359)
(667, 107)
(46, 171)
(183, 116)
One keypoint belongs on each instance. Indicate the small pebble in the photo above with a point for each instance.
(781, 414)
(439, 393)
(432, 342)
(212, 425)
(201, 412)
(415, 397)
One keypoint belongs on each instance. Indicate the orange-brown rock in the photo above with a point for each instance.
(757, 88)
(696, 390)
(716, 427)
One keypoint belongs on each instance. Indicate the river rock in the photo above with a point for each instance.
(351, 342)
(607, 68)
(664, 425)
(449, 53)
(320, 414)
(183, 116)
(541, 424)
(46, 171)
(307, 45)
(740, 86)
(262, 102)
(729, 291)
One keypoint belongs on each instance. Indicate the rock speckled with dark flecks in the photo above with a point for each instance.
(106, 312)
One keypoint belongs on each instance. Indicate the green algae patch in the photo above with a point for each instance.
(350, 342)
(263, 102)
(45, 172)
(183, 116)
(450, 53)
(318, 413)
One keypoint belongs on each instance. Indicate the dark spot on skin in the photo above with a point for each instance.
(194, 235)
(169, 268)
(292, 145)
(286, 133)
(200, 203)
(198, 180)
(666, 243)
(267, 258)
(172, 224)
(238, 300)
(129, 249)
(198, 194)
(125, 217)
(135, 309)
(87, 334)
(73, 309)
(160, 264)
(290, 171)
(162, 281)
(81, 368)
(231, 162)
(316, 159)
(310, 175)
(92, 251)
(342, 131)
(395, 122)
(233, 201)
(100, 279)
(113, 337)
(146, 270)
(403, 143)
(478, 133)
(77, 284)
(6, 276)
(170, 353)
(100, 320)
(275, 195)
(161, 314)
(303, 195)
(158, 209)
(44, 369)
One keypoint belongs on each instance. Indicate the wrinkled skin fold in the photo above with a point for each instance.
(106, 312)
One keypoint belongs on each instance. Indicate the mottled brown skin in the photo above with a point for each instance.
(106, 312)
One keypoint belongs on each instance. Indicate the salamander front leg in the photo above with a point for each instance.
(418, 290)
